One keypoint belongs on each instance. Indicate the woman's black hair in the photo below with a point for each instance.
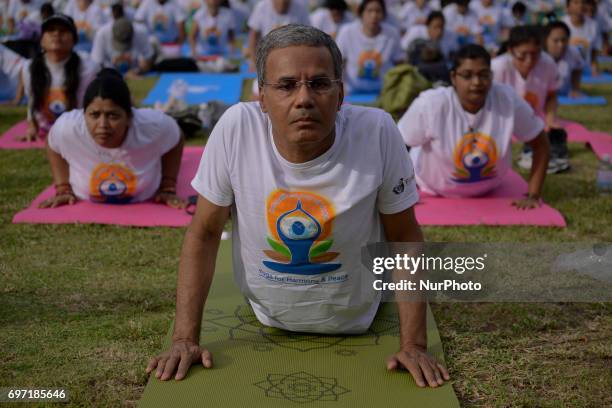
(519, 8)
(46, 11)
(40, 80)
(556, 25)
(339, 5)
(109, 84)
(471, 51)
(364, 3)
(524, 34)
(436, 14)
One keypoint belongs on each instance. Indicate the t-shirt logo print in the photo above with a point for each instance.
(300, 224)
(112, 183)
(369, 64)
(475, 158)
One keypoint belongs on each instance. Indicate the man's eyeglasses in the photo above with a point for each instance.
(319, 86)
(468, 75)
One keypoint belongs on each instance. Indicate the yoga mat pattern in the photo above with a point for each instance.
(145, 214)
(583, 100)
(7, 140)
(201, 88)
(257, 366)
(494, 209)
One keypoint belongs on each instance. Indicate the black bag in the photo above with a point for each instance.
(182, 64)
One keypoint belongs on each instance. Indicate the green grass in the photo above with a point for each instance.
(83, 307)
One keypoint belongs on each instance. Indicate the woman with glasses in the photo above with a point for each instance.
(533, 74)
(460, 136)
(369, 48)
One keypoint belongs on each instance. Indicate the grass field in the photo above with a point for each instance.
(83, 307)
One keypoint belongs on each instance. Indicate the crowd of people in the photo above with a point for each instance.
(53, 51)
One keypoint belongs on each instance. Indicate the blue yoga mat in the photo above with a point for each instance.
(604, 78)
(604, 58)
(583, 100)
(361, 98)
(201, 88)
(186, 52)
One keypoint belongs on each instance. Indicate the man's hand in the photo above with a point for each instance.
(67, 198)
(422, 366)
(179, 358)
(30, 136)
(528, 203)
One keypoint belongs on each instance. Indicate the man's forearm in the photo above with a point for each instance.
(196, 270)
(540, 164)
(413, 324)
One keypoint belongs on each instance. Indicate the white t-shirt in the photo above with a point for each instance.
(368, 58)
(213, 38)
(448, 43)
(104, 54)
(129, 173)
(570, 61)
(411, 15)
(466, 26)
(18, 10)
(87, 23)
(586, 38)
(453, 161)
(534, 89)
(265, 18)
(56, 101)
(492, 19)
(162, 20)
(10, 69)
(321, 18)
(298, 229)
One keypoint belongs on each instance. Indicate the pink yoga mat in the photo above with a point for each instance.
(146, 214)
(600, 142)
(494, 209)
(7, 140)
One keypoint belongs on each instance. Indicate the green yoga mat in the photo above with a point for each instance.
(258, 366)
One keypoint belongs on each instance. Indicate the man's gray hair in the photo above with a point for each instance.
(295, 35)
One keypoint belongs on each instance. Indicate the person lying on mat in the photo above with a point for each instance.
(110, 152)
(570, 63)
(534, 75)
(56, 78)
(295, 169)
(460, 136)
(369, 47)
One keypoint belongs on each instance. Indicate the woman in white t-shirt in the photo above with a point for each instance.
(331, 16)
(212, 30)
(56, 78)
(369, 48)
(110, 152)
(460, 136)
(88, 18)
(433, 30)
(569, 60)
(584, 31)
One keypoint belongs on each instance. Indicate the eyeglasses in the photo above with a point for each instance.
(468, 76)
(319, 86)
(523, 56)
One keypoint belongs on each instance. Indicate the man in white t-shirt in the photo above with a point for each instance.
(270, 14)
(460, 136)
(331, 16)
(300, 171)
(124, 46)
(494, 20)
(464, 22)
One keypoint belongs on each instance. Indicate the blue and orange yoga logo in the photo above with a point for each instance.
(300, 225)
(55, 104)
(112, 183)
(160, 22)
(369, 64)
(84, 29)
(475, 157)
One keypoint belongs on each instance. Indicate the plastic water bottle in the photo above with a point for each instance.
(604, 175)
(178, 91)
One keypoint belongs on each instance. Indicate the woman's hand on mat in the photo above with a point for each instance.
(527, 203)
(67, 198)
(422, 366)
(179, 358)
(170, 199)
